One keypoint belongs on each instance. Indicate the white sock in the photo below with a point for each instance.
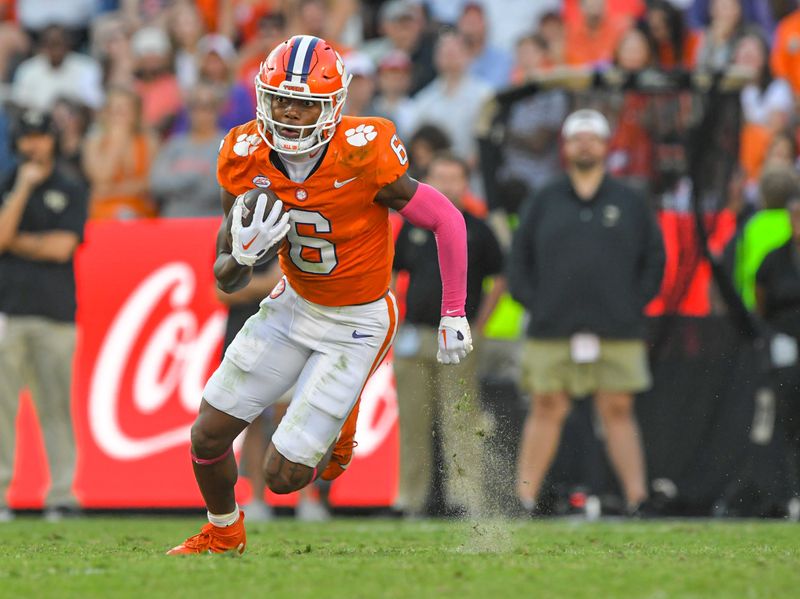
(528, 504)
(223, 520)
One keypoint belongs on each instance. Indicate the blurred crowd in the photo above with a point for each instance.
(141, 92)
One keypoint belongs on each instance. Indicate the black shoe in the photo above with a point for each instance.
(644, 510)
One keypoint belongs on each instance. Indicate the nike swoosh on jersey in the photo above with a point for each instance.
(246, 246)
(357, 335)
(337, 184)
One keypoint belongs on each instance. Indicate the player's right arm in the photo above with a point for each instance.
(231, 276)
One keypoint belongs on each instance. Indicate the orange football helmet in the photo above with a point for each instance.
(308, 68)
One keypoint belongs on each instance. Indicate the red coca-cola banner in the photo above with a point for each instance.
(150, 334)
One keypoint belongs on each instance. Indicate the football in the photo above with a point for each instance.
(250, 200)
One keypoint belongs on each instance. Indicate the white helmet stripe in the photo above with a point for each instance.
(296, 68)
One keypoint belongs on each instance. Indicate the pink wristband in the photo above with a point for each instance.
(431, 210)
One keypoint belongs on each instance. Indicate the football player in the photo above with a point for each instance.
(329, 323)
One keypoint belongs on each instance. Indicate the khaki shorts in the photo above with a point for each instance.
(621, 367)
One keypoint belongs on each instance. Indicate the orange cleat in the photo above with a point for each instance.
(343, 449)
(213, 539)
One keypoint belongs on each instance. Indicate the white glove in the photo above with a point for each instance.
(250, 243)
(455, 339)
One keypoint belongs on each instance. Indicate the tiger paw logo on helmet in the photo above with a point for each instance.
(246, 144)
(361, 135)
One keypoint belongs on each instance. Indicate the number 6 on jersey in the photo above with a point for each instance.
(321, 249)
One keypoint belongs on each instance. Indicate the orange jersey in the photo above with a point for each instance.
(785, 59)
(585, 46)
(339, 250)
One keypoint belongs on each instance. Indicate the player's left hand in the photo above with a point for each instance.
(455, 339)
(251, 242)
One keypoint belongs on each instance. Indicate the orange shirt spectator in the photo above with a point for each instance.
(14, 42)
(161, 101)
(210, 12)
(8, 10)
(592, 38)
(767, 105)
(785, 59)
(155, 83)
(117, 160)
(630, 8)
(249, 15)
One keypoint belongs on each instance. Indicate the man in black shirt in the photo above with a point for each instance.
(778, 302)
(42, 215)
(424, 387)
(778, 281)
(586, 259)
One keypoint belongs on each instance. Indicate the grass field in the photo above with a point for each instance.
(373, 558)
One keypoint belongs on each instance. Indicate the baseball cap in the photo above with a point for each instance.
(394, 10)
(217, 44)
(395, 60)
(150, 40)
(33, 122)
(359, 64)
(586, 121)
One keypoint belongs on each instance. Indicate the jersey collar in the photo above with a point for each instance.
(277, 162)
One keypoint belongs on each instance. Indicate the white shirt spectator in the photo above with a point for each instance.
(758, 105)
(444, 11)
(37, 84)
(511, 19)
(401, 113)
(455, 111)
(72, 14)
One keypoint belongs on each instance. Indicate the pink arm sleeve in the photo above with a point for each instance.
(430, 210)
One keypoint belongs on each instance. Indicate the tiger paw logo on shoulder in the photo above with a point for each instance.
(361, 135)
(246, 144)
